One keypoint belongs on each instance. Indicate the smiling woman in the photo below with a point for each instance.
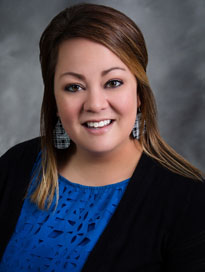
(96, 96)
(104, 192)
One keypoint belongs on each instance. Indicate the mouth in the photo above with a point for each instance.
(98, 124)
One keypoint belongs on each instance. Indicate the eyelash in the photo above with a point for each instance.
(67, 88)
(112, 81)
(73, 85)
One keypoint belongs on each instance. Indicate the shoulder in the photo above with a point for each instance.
(161, 175)
(19, 159)
(15, 169)
(179, 200)
(168, 190)
(29, 146)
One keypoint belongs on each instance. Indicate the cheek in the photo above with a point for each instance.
(67, 111)
(128, 103)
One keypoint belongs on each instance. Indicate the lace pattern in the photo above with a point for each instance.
(61, 240)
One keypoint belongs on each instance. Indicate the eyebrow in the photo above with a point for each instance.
(81, 77)
(111, 69)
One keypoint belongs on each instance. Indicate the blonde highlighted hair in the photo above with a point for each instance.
(120, 34)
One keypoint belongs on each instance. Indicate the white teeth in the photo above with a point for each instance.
(98, 124)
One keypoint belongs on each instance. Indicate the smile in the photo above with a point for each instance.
(99, 124)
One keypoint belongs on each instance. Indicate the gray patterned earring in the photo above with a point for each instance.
(136, 128)
(61, 139)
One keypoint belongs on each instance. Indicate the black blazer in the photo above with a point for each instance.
(159, 224)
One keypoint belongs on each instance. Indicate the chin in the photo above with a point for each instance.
(99, 151)
(100, 148)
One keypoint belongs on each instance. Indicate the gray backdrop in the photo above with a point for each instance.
(175, 36)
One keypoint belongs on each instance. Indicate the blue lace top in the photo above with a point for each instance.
(61, 240)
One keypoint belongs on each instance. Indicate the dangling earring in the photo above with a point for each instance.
(61, 139)
(136, 128)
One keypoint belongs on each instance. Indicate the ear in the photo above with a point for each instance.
(138, 101)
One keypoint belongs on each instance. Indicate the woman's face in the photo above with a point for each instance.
(96, 96)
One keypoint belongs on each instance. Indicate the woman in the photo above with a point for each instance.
(111, 196)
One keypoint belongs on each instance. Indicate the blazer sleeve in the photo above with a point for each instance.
(15, 170)
(187, 250)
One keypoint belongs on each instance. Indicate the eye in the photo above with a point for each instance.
(73, 88)
(114, 83)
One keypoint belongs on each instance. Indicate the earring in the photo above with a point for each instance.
(136, 128)
(61, 139)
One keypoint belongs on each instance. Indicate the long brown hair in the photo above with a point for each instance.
(120, 34)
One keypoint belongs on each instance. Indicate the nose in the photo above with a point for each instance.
(96, 100)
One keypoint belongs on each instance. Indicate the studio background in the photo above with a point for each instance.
(175, 36)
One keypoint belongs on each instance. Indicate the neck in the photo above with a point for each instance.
(96, 169)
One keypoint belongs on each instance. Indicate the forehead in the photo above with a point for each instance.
(79, 52)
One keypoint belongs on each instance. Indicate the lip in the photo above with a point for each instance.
(99, 130)
(99, 120)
